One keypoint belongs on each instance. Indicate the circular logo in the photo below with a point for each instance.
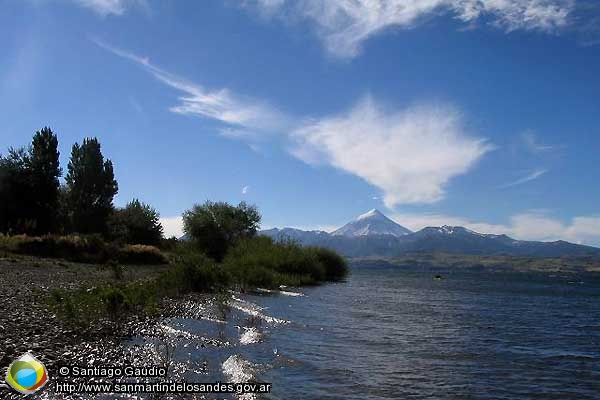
(27, 374)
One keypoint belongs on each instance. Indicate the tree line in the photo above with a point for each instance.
(222, 244)
(34, 202)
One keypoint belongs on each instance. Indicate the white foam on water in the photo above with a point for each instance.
(239, 370)
(200, 310)
(178, 333)
(218, 321)
(294, 294)
(175, 334)
(263, 290)
(281, 292)
(250, 335)
(254, 310)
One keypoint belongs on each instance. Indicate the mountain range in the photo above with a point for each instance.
(373, 234)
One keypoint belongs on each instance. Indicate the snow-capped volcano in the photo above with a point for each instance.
(371, 223)
(374, 234)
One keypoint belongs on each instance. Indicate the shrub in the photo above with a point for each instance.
(193, 273)
(114, 300)
(335, 265)
(117, 270)
(141, 254)
(216, 226)
(169, 244)
(262, 262)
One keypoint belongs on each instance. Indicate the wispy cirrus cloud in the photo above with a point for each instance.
(533, 175)
(345, 24)
(111, 7)
(242, 116)
(409, 154)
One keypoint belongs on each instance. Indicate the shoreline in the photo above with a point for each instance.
(137, 339)
(29, 325)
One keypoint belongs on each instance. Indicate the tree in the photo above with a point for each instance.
(29, 186)
(43, 162)
(91, 188)
(137, 223)
(15, 193)
(216, 226)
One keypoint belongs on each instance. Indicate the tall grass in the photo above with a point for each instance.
(85, 249)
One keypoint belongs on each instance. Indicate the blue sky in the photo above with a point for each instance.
(477, 113)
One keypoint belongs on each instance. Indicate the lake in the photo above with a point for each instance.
(389, 333)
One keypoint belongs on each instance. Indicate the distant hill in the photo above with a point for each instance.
(375, 235)
(304, 237)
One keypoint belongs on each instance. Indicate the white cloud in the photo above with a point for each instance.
(110, 7)
(345, 24)
(172, 226)
(245, 189)
(537, 226)
(528, 178)
(409, 154)
(244, 117)
(524, 226)
(585, 230)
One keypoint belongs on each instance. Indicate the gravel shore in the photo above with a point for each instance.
(28, 325)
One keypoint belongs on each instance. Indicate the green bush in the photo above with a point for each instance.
(169, 244)
(260, 261)
(335, 266)
(117, 270)
(136, 223)
(115, 301)
(214, 227)
(193, 273)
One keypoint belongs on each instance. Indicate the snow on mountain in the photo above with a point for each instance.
(371, 223)
(374, 234)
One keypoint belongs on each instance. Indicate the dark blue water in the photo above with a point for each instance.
(389, 333)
